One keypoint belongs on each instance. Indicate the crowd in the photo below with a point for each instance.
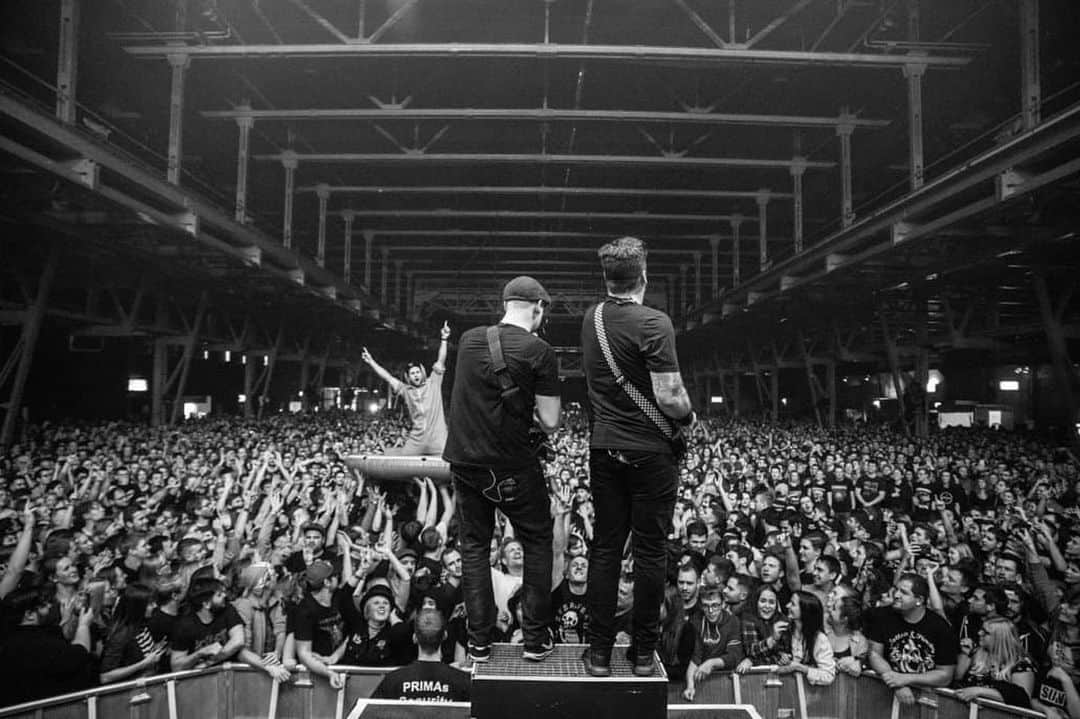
(129, 551)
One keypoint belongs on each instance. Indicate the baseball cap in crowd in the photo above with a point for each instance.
(527, 289)
(317, 573)
(407, 552)
(313, 527)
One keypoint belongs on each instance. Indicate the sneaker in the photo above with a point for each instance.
(479, 654)
(597, 663)
(539, 652)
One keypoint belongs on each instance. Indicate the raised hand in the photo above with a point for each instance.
(444, 333)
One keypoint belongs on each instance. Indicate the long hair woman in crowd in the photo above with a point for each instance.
(1000, 670)
(843, 624)
(811, 652)
(766, 624)
(672, 623)
(130, 650)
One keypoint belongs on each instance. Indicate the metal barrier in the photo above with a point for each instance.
(236, 691)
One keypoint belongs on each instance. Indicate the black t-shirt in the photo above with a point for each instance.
(483, 432)
(322, 626)
(190, 633)
(642, 340)
(37, 662)
(425, 682)
(571, 615)
(914, 648)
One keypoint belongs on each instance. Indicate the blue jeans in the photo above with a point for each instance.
(633, 492)
(523, 497)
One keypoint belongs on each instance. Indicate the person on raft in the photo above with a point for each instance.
(423, 398)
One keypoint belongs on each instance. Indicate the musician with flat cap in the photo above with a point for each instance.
(506, 384)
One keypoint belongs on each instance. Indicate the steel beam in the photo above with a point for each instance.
(384, 286)
(190, 344)
(798, 168)
(346, 271)
(450, 158)
(158, 381)
(533, 249)
(244, 124)
(1030, 85)
(844, 131)
(683, 271)
(67, 63)
(697, 278)
(320, 253)
(1065, 375)
(914, 74)
(22, 355)
(523, 214)
(763, 197)
(541, 190)
(776, 23)
(289, 162)
(683, 56)
(736, 251)
(699, 21)
(250, 399)
(179, 65)
(714, 244)
(368, 237)
(545, 234)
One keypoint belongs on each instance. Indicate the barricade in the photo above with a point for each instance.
(236, 691)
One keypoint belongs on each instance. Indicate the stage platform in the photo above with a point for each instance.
(558, 687)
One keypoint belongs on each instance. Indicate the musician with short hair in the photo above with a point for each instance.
(639, 405)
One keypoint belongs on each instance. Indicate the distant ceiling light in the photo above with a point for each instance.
(876, 403)
(931, 277)
(228, 356)
(783, 401)
(1009, 253)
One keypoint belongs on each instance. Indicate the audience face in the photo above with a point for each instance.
(687, 584)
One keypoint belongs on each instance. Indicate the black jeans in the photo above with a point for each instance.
(523, 497)
(632, 492)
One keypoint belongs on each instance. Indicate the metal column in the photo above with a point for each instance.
(158, 381)
(683, 273)
(1030, 85)
(249, 388)
(697, 279)
(268, 371)
(774, 393)
(844, 131)
(385, 269)
(184, 367)
(179, 64)
(410, 293)
(763, 229)
(289, 162)
(23, 352)
(1065, 375)
(242, 156)
(323, 193)
(369, 235)
(736, 251)
(346, 271)
(714, 243)
(830, 379)
(67, 63)
(399, 290)
(894, 367)
(914, 73)
(305, 375)
(798, 168)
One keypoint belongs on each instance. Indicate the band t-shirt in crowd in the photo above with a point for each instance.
(483, 431)
(914, 648)
(190, 633)
(571, 615)
(642, 340)
(425, 682)
(322, 626)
